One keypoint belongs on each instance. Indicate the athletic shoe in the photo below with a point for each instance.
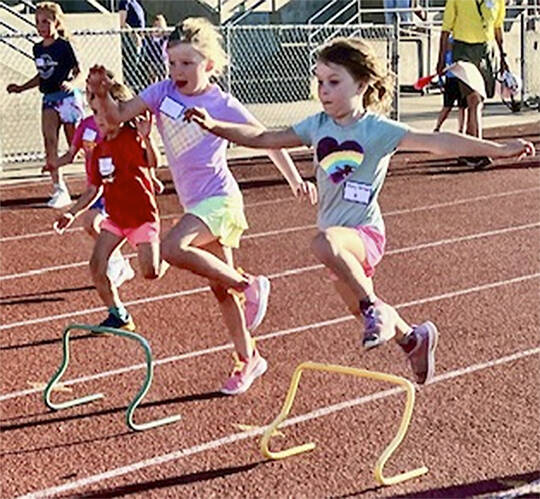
(422, 352)
(115, 265)
(477, 162)
(126, 273)
(60, 198)
(379, 323)
(256, 301)
(245, 372)
(117, 323)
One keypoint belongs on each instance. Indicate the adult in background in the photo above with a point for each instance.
(132, 16)
(476, 26)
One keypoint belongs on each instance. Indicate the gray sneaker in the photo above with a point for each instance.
(422, 356)
(380, 325)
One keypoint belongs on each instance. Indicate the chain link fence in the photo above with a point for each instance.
(270, 72)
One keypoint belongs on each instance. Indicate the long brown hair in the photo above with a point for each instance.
(54, 11)
(361, 61)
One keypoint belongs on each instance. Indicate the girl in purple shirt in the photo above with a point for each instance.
(213, 220)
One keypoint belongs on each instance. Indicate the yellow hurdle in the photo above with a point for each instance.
(362, 373)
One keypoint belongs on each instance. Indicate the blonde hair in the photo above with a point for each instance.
(54, 11)
(205, 39)
(363, 64)
(161, 19)
(120, 92)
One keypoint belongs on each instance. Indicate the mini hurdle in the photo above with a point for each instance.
(405, 420)
(90, 398)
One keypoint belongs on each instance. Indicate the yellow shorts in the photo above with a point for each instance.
(224, 216)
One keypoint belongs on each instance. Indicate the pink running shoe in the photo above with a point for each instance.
(244, 373)
(380, 324)
(256, 302)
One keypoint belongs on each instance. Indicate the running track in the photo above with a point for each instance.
(463, 251)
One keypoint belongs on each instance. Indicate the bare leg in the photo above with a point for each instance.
(474, 114)
(181, 247)
(342, 251)
(462, 115)
(150, 261)
(106, 243)
(445, 111)
(231, 310)
(50, 127)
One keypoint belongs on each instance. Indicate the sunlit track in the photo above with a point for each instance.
(271, 276)
(236, 437)
(445, 204)
(285, 332)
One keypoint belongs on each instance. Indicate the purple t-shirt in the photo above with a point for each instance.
(197, 158)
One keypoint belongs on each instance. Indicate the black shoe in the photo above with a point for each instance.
(477, 162)
(117, 323)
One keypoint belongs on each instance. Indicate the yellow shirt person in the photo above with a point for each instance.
(473, 21)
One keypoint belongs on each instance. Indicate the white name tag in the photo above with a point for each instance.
(89, 135)
(106, 166)
(171, 108)
(357, 192)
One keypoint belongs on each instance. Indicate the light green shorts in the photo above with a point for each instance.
(224, 216)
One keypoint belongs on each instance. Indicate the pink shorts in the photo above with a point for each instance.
(374, 243)
(145, 233)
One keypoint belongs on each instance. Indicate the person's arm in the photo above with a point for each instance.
(448, 143)
(247, 135)
(443, 47)
(100, 99)
(287, 168)
(67, 158)
(500, 44)
(123, 18)
(13, 88)
(87, 199)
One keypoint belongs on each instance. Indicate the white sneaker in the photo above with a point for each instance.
(126, 273)
(60, 198)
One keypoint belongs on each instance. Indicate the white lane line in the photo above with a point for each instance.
(132, 255)
(249, 236)
(276, 334)
(281, 200)
(164, 217)
(285, 273)
(237, 437)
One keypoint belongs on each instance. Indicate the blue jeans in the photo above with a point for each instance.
(405, 17)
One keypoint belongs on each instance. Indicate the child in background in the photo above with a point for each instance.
(152, 66)
(119, 170)
(86, 137)
(353, 143)
(451, 95)
(213, 220)
(57, 67)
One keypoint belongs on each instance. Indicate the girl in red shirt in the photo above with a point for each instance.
(120, 169)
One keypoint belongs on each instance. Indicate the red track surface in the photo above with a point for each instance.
(463, 251)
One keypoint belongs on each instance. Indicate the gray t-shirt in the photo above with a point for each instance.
(351, 163)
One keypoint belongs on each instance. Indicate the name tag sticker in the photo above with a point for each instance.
(89, 135)
(106, 166)
(171, 108)
(357, 192)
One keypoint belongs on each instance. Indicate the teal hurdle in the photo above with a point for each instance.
(89, 398)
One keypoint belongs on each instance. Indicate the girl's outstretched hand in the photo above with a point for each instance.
(201, 117)
(97, 82)
(144, 124)
(517, 148)
(306, 190)
(13, 88)
(63, 222)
